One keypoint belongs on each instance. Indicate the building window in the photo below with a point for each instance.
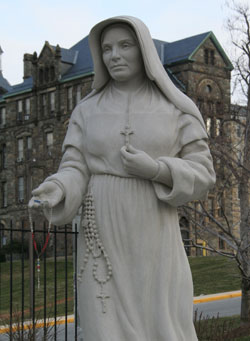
(221, 242)
(218, 127)
(208, 89)
(29, 147)
(52, 102)
(19, 110)
(49, 142)
(46, 74)
(52, 73)
(44, 104)
(209, 57)
(208, 125)
(20, 150)
(206, 54)
(4, 194)
(210, 205)
(78, 93)
(21, 189)
(27, 109)
(220, 208)
(70, 98)
(2, 117)
(212, 60)
(3, 239)
(41, 76)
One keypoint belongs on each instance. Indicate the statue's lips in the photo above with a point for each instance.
(117, 66)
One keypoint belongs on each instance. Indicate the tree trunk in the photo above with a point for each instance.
(245, 302)
(245, 220)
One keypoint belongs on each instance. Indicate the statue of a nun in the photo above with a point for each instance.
(136, 149)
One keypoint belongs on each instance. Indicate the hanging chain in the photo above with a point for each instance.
(94, 248)
(39, 254)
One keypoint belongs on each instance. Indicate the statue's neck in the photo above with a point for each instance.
(131, 85)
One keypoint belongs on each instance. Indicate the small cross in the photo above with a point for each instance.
(126, 132)
(102, 296)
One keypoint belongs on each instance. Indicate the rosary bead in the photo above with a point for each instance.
(93, 243)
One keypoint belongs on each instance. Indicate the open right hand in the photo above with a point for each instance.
(48, 192)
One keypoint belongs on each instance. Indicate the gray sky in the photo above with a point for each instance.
(26, 24)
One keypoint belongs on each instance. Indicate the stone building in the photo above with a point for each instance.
(34, 114)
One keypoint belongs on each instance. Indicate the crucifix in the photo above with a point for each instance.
(127, 132)
(102, 296)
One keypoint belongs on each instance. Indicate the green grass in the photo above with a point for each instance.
(39, 294)
(214, 274)
(210, 275)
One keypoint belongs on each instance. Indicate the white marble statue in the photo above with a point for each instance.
(136, 148)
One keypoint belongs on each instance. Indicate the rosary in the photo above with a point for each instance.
(96, 249)
(38, 268)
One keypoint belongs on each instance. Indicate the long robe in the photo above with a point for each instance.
(149, 295)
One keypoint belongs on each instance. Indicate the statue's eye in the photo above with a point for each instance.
(106, 49)
(125, 45)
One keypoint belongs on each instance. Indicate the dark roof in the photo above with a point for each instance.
(185, 49)
(25, 86)
(79, 57)
(84, 63)
(4, 84)
(67, 55)
(182, 49)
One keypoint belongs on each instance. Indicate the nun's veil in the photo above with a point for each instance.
(153, 66)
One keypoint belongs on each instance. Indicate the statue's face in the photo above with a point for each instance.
(121, 54)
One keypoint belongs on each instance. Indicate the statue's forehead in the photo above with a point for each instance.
(119, 27)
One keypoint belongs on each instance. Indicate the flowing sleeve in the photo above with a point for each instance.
(190, 169)
(73, 173)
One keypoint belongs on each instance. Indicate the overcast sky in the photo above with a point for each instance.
(26, 24)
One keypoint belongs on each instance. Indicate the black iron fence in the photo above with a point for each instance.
(38, 297)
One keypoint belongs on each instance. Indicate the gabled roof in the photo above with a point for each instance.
(185, 49)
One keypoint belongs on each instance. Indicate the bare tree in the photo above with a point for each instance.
(229, 220)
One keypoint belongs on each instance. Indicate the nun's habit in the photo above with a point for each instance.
(134, 280)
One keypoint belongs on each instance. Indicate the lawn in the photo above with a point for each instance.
(210, 275)
(214, 274)
(39, 294)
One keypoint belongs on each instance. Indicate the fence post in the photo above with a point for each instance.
(31, 272)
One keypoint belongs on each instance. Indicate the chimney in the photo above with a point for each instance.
(27, 65)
